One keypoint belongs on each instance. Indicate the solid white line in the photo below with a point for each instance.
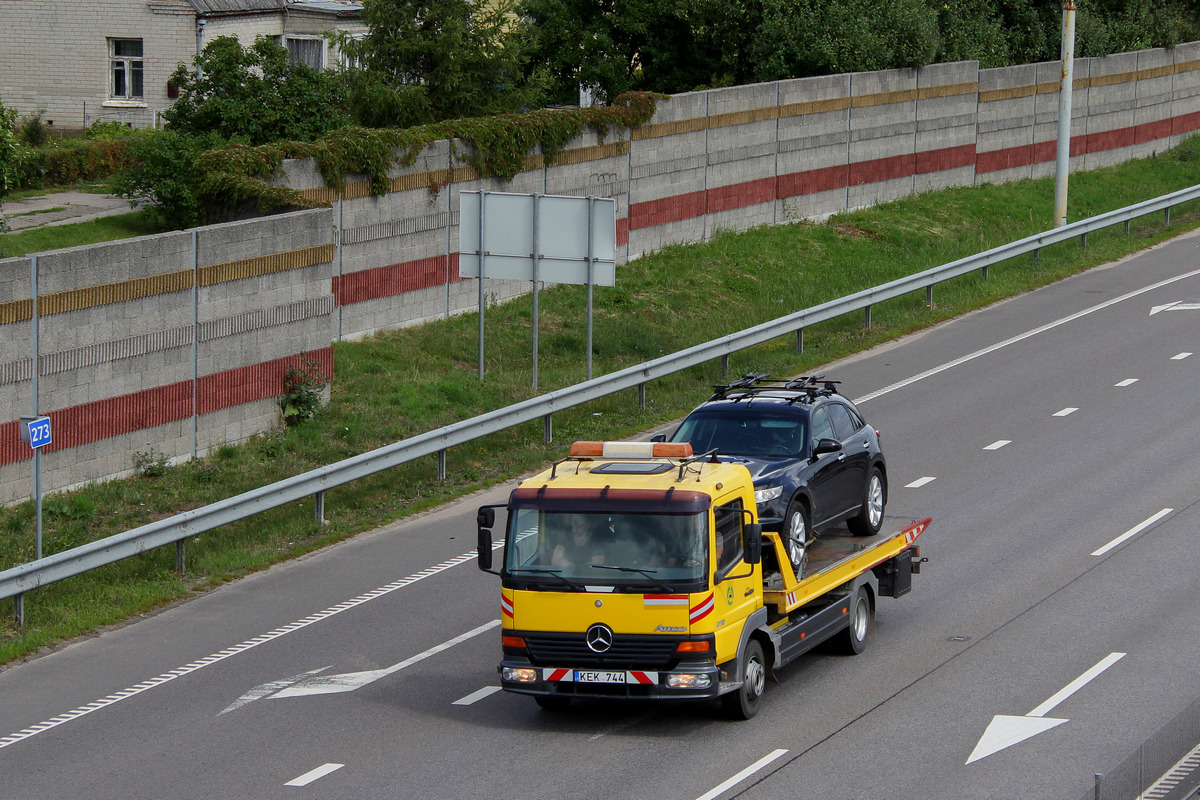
(1180, 357)
(229, 652)
(919, 482)
(996, 445)
(476, 696)
(1066, 412)
(1127, 382)
(741, 776)
(309, 777)
(1134, 531)
(1020, 337)
(1075, 685)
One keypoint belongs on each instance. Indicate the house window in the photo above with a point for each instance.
(306, 50)
(125, 55)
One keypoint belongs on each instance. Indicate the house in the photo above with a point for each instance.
(82, 61)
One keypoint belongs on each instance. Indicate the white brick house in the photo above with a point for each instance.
(82, 61)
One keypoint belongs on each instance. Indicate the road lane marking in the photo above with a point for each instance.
(919, 482)
(741, 776)
(229, 652)
(316, 774)
(1004, 730)
(1020, 337)
(1134, 531)
(1180, 356)
(476, 696)
(996, 445)
(1066, 412)
(1127, 382)
(1176, 306)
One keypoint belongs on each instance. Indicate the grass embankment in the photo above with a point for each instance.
(406, 382)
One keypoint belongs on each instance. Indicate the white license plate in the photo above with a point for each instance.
(585, 676)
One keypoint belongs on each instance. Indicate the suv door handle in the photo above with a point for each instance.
(841, 456)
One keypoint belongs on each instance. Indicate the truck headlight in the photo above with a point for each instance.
(519, 674)
(767, 493)
(688, 680)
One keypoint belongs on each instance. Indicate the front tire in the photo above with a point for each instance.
(870, 515)
(744, 703)
(853, 640)
(795, 536)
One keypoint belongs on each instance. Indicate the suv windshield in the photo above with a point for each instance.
(643, 550)
(744, 434)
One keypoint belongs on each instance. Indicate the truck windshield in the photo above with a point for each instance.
(607, 549)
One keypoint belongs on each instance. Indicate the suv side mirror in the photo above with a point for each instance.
(826, 446)
(658, 437)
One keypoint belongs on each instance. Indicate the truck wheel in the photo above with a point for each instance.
(853, 640)
(795, 533)
(552, 702)
(870, 516)
(744, 703)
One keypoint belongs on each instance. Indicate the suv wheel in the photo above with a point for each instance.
(870, 515)
(795, 536)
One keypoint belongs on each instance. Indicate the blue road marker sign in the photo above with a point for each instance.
(36, 431)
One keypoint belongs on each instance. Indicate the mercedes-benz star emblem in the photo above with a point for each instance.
(599, 638)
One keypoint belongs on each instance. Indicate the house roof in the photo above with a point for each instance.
(215, 8)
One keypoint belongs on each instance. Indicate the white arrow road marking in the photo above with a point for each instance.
(1127, 382)
(312, 775)
(1175, 307)
(1180, 356)
(267, 689)
(349, 681)
(1134, 531)
(1066, 412)
(1005, 731)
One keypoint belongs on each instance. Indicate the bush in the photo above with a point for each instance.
(108, 129)
(32, 131)
(69, 161)
(162, 176)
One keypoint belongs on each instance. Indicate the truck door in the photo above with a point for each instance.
(735, 584)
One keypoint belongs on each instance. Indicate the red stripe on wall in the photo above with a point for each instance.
(946, 158)
(622, 232)
(1104, 140)
(369, 284)
(1006, 158)
(1149, 131)
(812, 181)
(1185, 123)
(883, 169)
(114, 416)
(740, 195)
(667, 209)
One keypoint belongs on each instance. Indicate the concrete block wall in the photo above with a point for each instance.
(1153, 107)
(1004, 142)
(947, 117)
(883, 131)
(814, 141)
(740, 185)
(1109, 117)
(1185, 108)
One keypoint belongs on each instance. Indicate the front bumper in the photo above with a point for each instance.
(697, 680)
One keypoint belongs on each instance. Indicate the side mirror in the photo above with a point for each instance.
(826, 446)
(485, 549)
(753, 553)
(658, 437)
(486, 518)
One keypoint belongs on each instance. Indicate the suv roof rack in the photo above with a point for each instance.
(758, 384)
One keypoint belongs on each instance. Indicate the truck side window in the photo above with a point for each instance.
(728, 520)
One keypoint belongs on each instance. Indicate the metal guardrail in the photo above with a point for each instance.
(16, 581)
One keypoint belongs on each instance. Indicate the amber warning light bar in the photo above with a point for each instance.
(631, 450)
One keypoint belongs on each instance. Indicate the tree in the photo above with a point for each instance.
(433, 60)
(257, 95)
(9, 149)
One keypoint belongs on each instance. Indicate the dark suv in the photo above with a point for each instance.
(815, 461)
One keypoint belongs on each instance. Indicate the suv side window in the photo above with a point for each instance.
(728, 521)
(842, 423)
(822, 428)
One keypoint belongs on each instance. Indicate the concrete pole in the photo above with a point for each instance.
(1062, 164)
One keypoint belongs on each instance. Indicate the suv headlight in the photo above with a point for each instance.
(767, 493)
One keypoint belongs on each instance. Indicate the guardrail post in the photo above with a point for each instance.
(547, 428)
(441, 465)
(867, 316)
(984, 273)
(929, 295)
(1167, 216)
(179, 554)
(800, 342)
(1036, 255)
(1082, 241)
(641, 396)
(1096, 790)
(1126, 227)
(319, 508)
(19, 608)
(724, 364)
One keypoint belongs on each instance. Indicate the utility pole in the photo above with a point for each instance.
(1062, 163)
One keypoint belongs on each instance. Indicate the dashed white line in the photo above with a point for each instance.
(1180, 356)
(919, 482)
(1134, 531)
(996, 445)
(1127, 382)
(316, 774)
(717, 791)
(1065, 412)
(475, 697)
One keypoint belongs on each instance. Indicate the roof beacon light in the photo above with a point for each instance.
(631, 450)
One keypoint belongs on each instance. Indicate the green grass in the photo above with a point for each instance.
(406, 382)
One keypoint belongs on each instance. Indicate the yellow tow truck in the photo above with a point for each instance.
(641, 570)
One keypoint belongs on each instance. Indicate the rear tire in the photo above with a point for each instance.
(795, 536)
(870, 515)
(744, 703)
(853, 640)
(552, 702)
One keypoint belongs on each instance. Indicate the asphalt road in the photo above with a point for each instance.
(1058, 610)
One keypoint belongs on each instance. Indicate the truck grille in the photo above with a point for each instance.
(627, 651)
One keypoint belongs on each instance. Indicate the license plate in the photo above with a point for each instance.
(586, 676)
